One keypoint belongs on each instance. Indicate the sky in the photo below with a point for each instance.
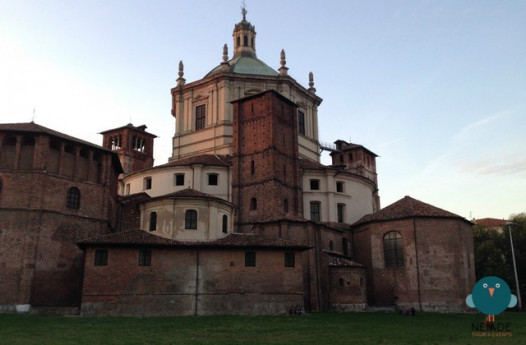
(437, 89)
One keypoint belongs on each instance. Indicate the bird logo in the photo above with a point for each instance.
(491, 296)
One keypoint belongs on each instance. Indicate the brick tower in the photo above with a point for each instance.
(265, 179)
(133, 145)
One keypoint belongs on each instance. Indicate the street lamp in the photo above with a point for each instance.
(509, 224)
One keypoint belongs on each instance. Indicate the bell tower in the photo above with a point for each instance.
(133, 145)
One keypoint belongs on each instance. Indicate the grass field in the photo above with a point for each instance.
(315, 328)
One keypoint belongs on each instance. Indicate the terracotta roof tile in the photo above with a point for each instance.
(137, 238)
(407, 208)
(216, 160)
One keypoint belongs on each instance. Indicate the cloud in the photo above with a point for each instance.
(512, 166)
(466, 131)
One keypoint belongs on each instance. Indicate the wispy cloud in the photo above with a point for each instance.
(465, 132)
(512, 166)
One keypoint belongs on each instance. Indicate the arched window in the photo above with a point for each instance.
(253, 204)
(190, 219)
(393, 249)
(225, 223)
(73, 198)
(238, 41)
(245, 41)
(252, 167)
(153, 221)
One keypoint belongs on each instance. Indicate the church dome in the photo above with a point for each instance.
(245, 65)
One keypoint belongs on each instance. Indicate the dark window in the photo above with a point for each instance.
(138, 144)
(1, 185)
(286, 205)
(153, 221)
(190, 219)
(339, 187)
(212, 179)
(393, 249)
(225, 223)
(250, 259)
(101, 257)
(315, 211)
(340, 282)
(331, 245)
(145, 257)
(73, 198)
(252, 168)
(301, 122)
(350, 157)
(200, 116)
(314, 184)
(245, 40)
(290, 259)
(345, 246)
(341, 158)
(147, 183)
(179, 179)
(253, 204)
(340, 208)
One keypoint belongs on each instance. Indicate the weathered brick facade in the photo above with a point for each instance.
(40, 263)
(436, 271)
(192, 278)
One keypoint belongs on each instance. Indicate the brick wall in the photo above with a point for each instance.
(188, 282)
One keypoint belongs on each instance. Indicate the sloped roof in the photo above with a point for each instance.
(141, 128)
(141, 238)
(190, 193)
(206, 159)
(490, 222)
(31, 127)
(408, 207)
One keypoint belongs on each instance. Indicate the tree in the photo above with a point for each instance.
(518, 232)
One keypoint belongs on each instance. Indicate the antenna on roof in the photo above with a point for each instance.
(33, 118)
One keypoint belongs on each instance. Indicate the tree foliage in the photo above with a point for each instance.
(493, 251)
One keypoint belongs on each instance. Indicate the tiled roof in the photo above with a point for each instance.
(311, 165)
(207, 159)
(141, 128)
(31, 127)
(138, 238)
(407, 208)
(490, 222)
(189, 193)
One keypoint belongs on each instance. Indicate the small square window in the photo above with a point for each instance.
(101, 257)
(290, 259)
(315, 184)
(147, 183)
(145, 257)
(250, 259)
(179, 179)
(339, 187)
(212, 179)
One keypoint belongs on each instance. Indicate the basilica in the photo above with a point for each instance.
(243, 219)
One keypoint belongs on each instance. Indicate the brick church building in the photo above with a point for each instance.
(243, 219)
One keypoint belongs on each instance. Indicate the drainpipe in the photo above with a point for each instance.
(417, 266)
(196, 297)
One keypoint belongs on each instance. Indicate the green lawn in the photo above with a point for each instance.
(315, 328)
